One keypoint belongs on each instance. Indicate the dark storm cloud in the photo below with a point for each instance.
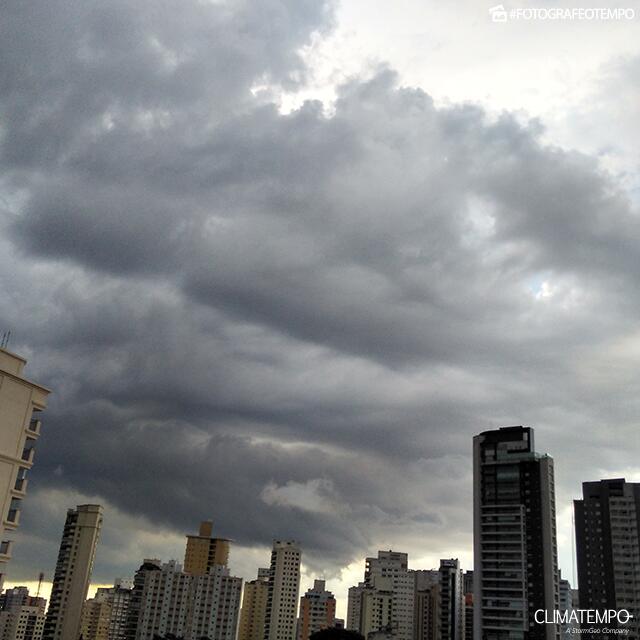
(291, 323)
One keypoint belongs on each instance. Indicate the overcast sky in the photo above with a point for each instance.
(279, 261)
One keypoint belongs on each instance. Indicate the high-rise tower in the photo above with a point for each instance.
(317, 610)
(20, 402)
(254, 607)
(608, 547)
(200, 603)
(427, 604)
(514, 531)
(384, 602)
(204, 551)
(394, 565)
(73, 572)
(284, 586)
(451, 610)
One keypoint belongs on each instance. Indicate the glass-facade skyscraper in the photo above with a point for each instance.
(515, 555)
(608, 548)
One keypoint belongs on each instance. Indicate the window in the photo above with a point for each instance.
(14, 510)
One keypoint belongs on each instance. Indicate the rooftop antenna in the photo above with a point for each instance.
(40, 579)
(4, 342)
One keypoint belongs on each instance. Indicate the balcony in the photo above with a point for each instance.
(20, 485)
(29, 450)
(13, 518)
(5, 550)
(13, 515)
(34, 426)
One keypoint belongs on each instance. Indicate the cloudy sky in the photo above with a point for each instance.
(279, 261)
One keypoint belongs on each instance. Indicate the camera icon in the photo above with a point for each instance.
(498, 13)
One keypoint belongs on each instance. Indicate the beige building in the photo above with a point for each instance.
(370, 607)
(385, 600)
(119, 599)
(254, 607)
(284, 587)
(22, 623)
(394, 565)
(20, 402)
(96, 616)
(73, 572)
(203, 551)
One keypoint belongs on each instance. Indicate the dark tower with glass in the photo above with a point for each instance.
(515, 555)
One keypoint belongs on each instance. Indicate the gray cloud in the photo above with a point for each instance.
(293, 323)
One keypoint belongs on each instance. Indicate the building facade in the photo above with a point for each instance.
(20, 403)
(427, 605)
(566, 606)
(467, 590)
(204, 551)
(201, 603)
(317, 610)
(385, 601)
(283, 591)
(515, 554)
(451, 610)
(370, 607)
(21, 615)
(73, 572)
(394, 566)
(607, 521)
(166, 600)
(20, 597)
(118, 597)
(23, 622)
(254, 607)
(96, 614)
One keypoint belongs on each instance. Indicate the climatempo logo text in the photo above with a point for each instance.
(583, 616)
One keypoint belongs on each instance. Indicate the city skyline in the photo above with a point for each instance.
(203, 551)
(245, 303)
(514, 501)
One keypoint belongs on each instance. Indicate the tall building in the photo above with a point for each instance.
(160, 601)
(467, 590)
(200, 603)
(118, 597)
(354, 607)
(283, 590)
(608, 547)
(96, 614)
(451, 601)
(21, 615)
(426, 605)
(317, 610)
(166, 600)
(19, 597)
(566, 605)
(104, 617)
(203, 551)
(384, 601)
(514, 531)
(20, 403)
(141, 587)
(394, 565)
(254, 607)
(24, 622)
(73, 572)
(370, 607)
